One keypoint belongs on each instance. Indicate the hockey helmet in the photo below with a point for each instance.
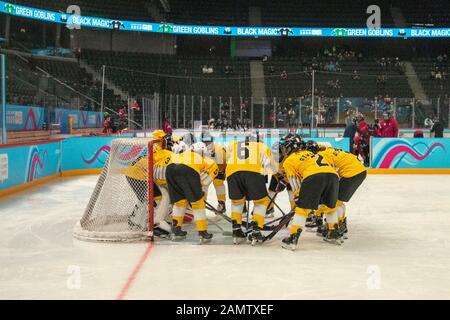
(312, 146)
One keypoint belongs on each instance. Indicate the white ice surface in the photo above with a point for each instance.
(399, 247)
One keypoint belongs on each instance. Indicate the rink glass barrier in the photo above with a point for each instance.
(25, 164)
(186, 111)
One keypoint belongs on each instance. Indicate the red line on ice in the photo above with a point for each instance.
(136, 270)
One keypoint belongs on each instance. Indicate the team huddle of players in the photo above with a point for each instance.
(319, 181)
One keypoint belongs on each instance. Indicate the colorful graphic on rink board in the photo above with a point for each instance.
(22, 118)
(28, 163)
(22, 164)
(410, 153)
(278, 31)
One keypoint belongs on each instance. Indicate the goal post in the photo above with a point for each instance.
(121, 206)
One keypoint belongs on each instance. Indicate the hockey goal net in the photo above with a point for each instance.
(121, 206)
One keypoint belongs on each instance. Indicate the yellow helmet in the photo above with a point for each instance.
(158, 135)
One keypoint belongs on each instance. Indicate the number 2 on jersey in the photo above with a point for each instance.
(319, 161)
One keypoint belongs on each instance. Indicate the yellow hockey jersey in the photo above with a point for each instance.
(248, 156)
(346, 164)
(195, 161)
(139, 169)
(302, 164)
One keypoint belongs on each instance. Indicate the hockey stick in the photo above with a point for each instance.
(284, 222)
(220, 214)
(225, 233)
(272, 200)
(245, 224)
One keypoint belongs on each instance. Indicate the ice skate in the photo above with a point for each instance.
(238, 235)
(333, 236)
(291, 242)
(161, 233)
(256, 236)
(315, 222)
(177, 233)
(205, 236)
(322, 230)
(343, 229)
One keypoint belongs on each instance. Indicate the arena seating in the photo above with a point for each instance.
(143, 74)
(28, 86)
(433, 13)
(320, 13)
(298, 82)
(108, 9)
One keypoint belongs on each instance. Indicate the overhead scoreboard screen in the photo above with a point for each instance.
(79, 21)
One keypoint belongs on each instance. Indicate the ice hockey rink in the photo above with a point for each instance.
(398, 247)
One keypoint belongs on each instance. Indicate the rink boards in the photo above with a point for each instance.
(24, 165)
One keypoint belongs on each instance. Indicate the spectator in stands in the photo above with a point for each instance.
(350, 131)
(355, 75)
(167, 128)
(359, 57)
(77, 52)
(376, 130)
(284, 75)
(389, 126)
(418, 134)
(271, 69)
(136, 106)
(123, 118)
(438, 129)
(291, 117)
(107, 126)
(228, 69)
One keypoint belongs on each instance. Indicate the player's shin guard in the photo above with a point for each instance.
(179, 209)
(333, 234)
(299, 219)
(342, 219)
(198, 208)
(291, 199)
(237, 206)
(296, 228)
(220, 193)
(220, 189)
(259, 212)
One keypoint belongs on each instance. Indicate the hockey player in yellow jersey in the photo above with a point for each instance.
(319, 185)
(278, 181)
(137, 177)
(351, 172)
(247, 164)
(218, 153)
(188, 172)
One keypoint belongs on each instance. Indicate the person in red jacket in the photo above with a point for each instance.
(388, 126)
(167, 128)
